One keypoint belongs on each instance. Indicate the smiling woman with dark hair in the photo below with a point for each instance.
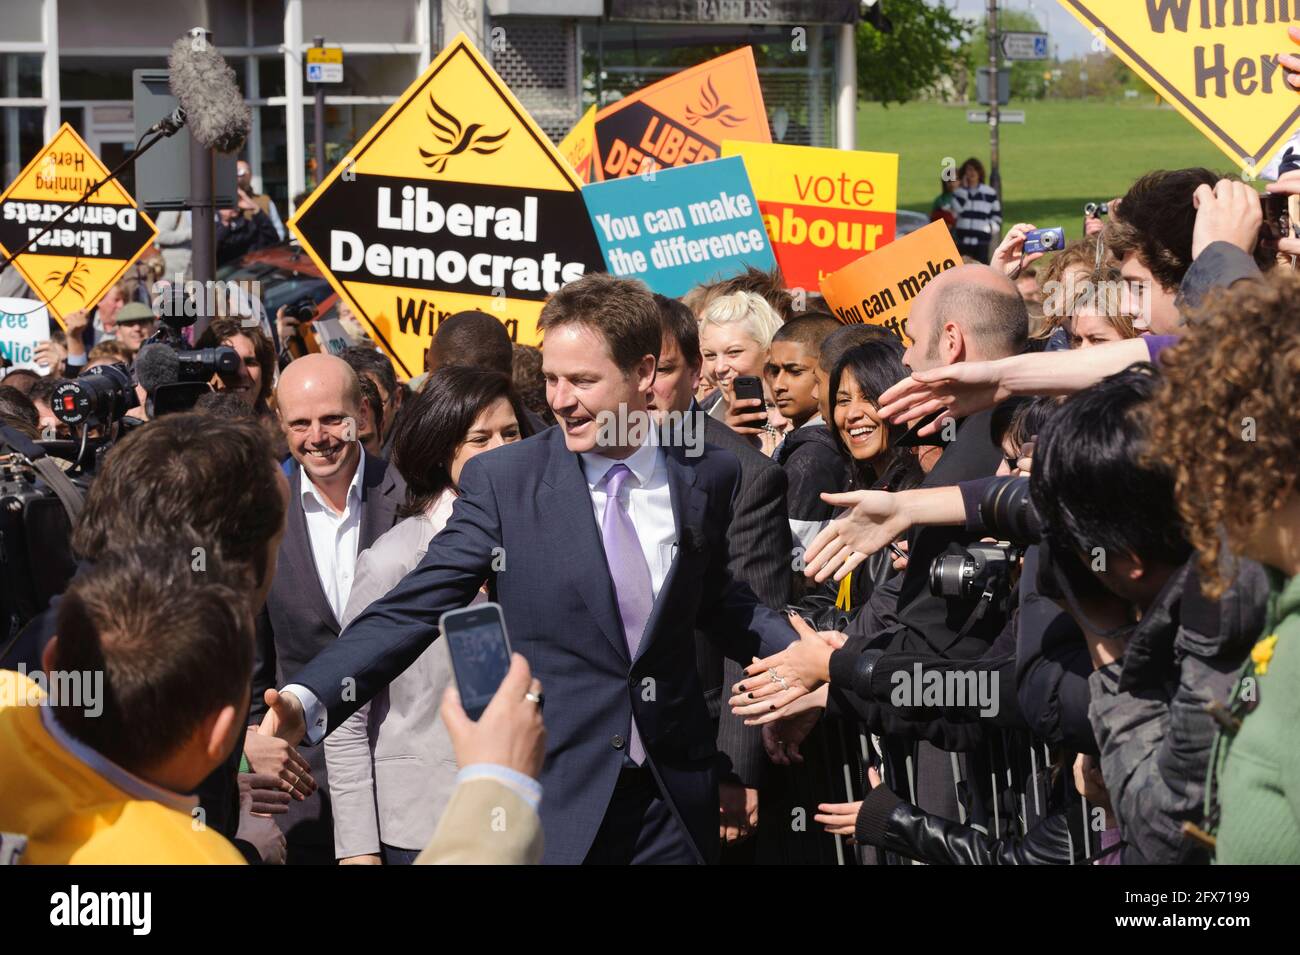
(391, 765)
(859, 378)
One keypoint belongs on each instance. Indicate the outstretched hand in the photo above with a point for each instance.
(284, 717)
(960, 390)
(872, 521)
(775, 682)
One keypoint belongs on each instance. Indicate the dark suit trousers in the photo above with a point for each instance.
(640, 828)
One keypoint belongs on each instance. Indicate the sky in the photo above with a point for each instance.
(1064, 30)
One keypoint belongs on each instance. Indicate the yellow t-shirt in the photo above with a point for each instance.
(73, 806)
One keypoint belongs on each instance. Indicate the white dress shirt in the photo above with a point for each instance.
(648, 500)
(334, 536)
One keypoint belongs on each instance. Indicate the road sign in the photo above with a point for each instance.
(1004, 86)
(1015, 116)
(455, 200)
(74, 263)
(1025, 46)
(1220, 72)
(324, 64)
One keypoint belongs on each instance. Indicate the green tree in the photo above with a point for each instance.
(918, 55)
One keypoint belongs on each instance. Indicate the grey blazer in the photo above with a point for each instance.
(392, 769)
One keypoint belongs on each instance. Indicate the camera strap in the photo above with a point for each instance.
(69, 494)
(976, 615)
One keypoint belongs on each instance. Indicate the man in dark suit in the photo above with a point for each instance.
(340, 501)
(605, 550)
(760, 542)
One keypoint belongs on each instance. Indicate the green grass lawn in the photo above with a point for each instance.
(1067, 153)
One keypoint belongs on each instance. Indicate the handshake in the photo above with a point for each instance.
(786, 692)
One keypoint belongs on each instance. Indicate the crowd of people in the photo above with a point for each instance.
(1024, 588)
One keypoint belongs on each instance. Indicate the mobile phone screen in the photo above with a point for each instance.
(480, 655)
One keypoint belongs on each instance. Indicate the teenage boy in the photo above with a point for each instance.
(809, 455)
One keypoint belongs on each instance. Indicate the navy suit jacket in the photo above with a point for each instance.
(524, 523)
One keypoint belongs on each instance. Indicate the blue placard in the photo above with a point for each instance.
(676, 228)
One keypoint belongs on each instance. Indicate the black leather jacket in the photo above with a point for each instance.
(887, 822)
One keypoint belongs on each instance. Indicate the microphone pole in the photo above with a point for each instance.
(203, 261)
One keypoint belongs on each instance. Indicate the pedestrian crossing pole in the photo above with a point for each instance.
(995, 50)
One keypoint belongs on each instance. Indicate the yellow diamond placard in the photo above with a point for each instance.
(455, 200)
(75, 263)
(1214, 60)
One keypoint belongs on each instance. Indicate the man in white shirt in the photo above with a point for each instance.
(340, 501)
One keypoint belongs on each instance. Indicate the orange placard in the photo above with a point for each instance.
(578, 146)
(878, 288)
(682, 119)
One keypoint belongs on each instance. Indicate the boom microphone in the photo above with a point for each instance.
(155, 366)
(169, 125)
(204, 85)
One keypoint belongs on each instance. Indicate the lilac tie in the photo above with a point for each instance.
(631, 576)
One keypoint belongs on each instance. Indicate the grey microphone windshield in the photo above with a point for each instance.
(155, 366)
(204, 85)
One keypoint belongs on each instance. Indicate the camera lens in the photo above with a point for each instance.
(949, 575)
(104, 393)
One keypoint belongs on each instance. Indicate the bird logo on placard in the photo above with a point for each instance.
(712, 107)
(458, 139)
(73, 278)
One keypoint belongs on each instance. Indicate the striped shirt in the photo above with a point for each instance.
(979, 214)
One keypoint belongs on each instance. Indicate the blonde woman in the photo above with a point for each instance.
(735, 336)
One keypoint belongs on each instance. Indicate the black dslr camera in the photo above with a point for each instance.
(970, 572)
(974, 571)
(1097, 209)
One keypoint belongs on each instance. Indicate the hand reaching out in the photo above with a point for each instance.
(960, 390)
(774, 683)
(873, 520)
(284, 717)
(781, 740)
(275, 758)
(258, 830)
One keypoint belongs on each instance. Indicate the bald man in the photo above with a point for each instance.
(970, 313)
(340, 501)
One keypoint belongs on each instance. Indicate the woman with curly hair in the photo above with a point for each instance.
(1227, 422)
